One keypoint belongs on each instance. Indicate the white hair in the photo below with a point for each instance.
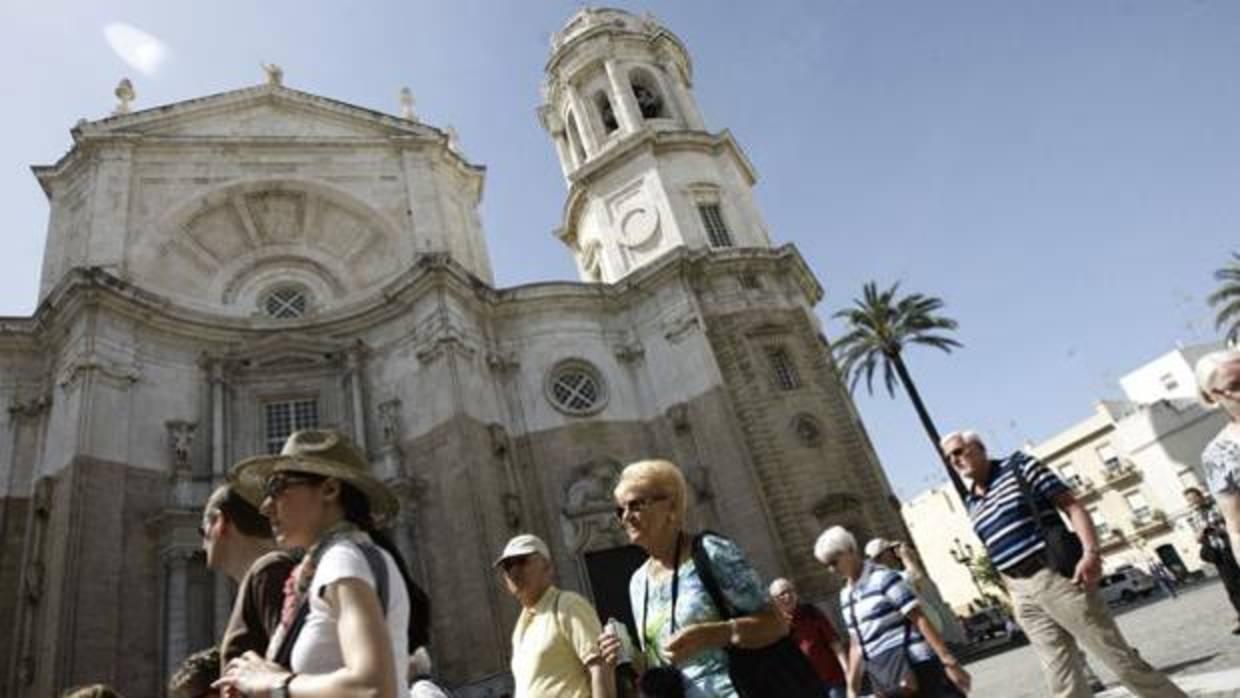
(968, 436)
(1207, 366)
(832, 542)
(778, 585)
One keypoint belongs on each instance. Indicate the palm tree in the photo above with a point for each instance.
(880, 325)
(1227, 298)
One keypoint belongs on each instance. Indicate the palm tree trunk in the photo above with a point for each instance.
(924, 415)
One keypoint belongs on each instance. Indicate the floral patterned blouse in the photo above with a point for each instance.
(1221, 461)
(706, 673)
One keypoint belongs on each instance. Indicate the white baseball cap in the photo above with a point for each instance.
(877, 546)
(524, 544)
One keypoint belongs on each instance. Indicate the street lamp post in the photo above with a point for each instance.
(962, 553)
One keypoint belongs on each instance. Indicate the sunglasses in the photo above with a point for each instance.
(508, 563)
(278, 483)
(637, 505)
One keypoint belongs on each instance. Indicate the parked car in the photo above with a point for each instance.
(985, 624)
(1125, 585)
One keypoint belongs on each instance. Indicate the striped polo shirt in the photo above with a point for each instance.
(1001, 516)
(874, 609)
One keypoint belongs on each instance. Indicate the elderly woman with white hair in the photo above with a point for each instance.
(684, 634)
(893, 643)
(1218, 380)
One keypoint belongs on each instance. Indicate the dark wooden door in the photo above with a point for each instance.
(609, 580)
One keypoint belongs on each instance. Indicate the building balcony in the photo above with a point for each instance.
(1110, 538)
(1146, 521)
(1083, 487)
(1119, 471)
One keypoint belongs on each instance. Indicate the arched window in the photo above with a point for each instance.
(649, 98)
(574, 138)
(605, 113)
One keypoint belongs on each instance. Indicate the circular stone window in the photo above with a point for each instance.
(575, 387)
(286, 303)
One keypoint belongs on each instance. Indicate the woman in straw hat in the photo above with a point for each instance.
(348, 605)
(1218, 380)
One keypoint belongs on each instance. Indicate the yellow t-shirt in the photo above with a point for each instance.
(549, 658)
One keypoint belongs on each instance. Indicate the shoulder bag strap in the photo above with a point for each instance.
(1026, 493)
(378, 568)
(706, 572)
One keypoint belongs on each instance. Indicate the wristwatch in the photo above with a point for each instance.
(281, 691)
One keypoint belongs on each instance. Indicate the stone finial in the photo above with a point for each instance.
(454, 141)
(406, 104)
(124, 92)
(275, 74)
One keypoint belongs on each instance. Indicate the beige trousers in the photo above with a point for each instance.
(1060, 619)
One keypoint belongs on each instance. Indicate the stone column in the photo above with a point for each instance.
(353, 373)
(623, 103)
(684, 99)
(176, 596)
(585, 125)
(219, 393)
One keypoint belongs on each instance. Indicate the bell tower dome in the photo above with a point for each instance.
(644, 174)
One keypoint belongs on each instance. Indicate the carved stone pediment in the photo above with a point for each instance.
(287, 350)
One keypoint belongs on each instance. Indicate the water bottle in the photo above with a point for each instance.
(621, 631)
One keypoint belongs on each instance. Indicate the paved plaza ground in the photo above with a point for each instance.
(1186, 636)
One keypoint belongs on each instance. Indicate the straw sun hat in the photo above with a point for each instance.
(320, 452)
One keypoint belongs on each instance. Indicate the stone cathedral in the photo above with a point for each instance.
(221, 271)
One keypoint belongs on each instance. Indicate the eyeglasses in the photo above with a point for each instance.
(637, 505)
(278, 483)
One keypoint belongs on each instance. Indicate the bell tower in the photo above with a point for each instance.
(644, 174)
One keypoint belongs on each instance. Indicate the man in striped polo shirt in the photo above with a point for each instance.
(1056, 612)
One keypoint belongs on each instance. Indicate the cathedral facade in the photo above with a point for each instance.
(224, 270)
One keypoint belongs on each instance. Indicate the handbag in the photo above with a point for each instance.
(890, 673)
(778, 669)
(1063, 548)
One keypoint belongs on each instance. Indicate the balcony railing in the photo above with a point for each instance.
(1146, 519)
(1118, 471)
(1082, 486)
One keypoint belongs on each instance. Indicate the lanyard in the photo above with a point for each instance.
(675, 590)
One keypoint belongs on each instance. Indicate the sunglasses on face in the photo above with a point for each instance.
(637, 505)
(509, 563)
(278, 483)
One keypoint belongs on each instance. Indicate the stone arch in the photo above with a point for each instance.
(648, 90)
(261, 229)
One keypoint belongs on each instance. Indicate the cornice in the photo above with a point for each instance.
(84, 288)
(645, 141)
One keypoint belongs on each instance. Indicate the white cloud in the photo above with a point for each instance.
(143, 52)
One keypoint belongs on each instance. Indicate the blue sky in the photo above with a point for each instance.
(1062, 174)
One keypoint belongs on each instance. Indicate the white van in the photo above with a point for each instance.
(1125, 585)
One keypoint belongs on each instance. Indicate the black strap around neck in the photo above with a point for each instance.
(675, 591)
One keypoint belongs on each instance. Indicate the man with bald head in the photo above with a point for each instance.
(1014, 504)
(814, 634)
